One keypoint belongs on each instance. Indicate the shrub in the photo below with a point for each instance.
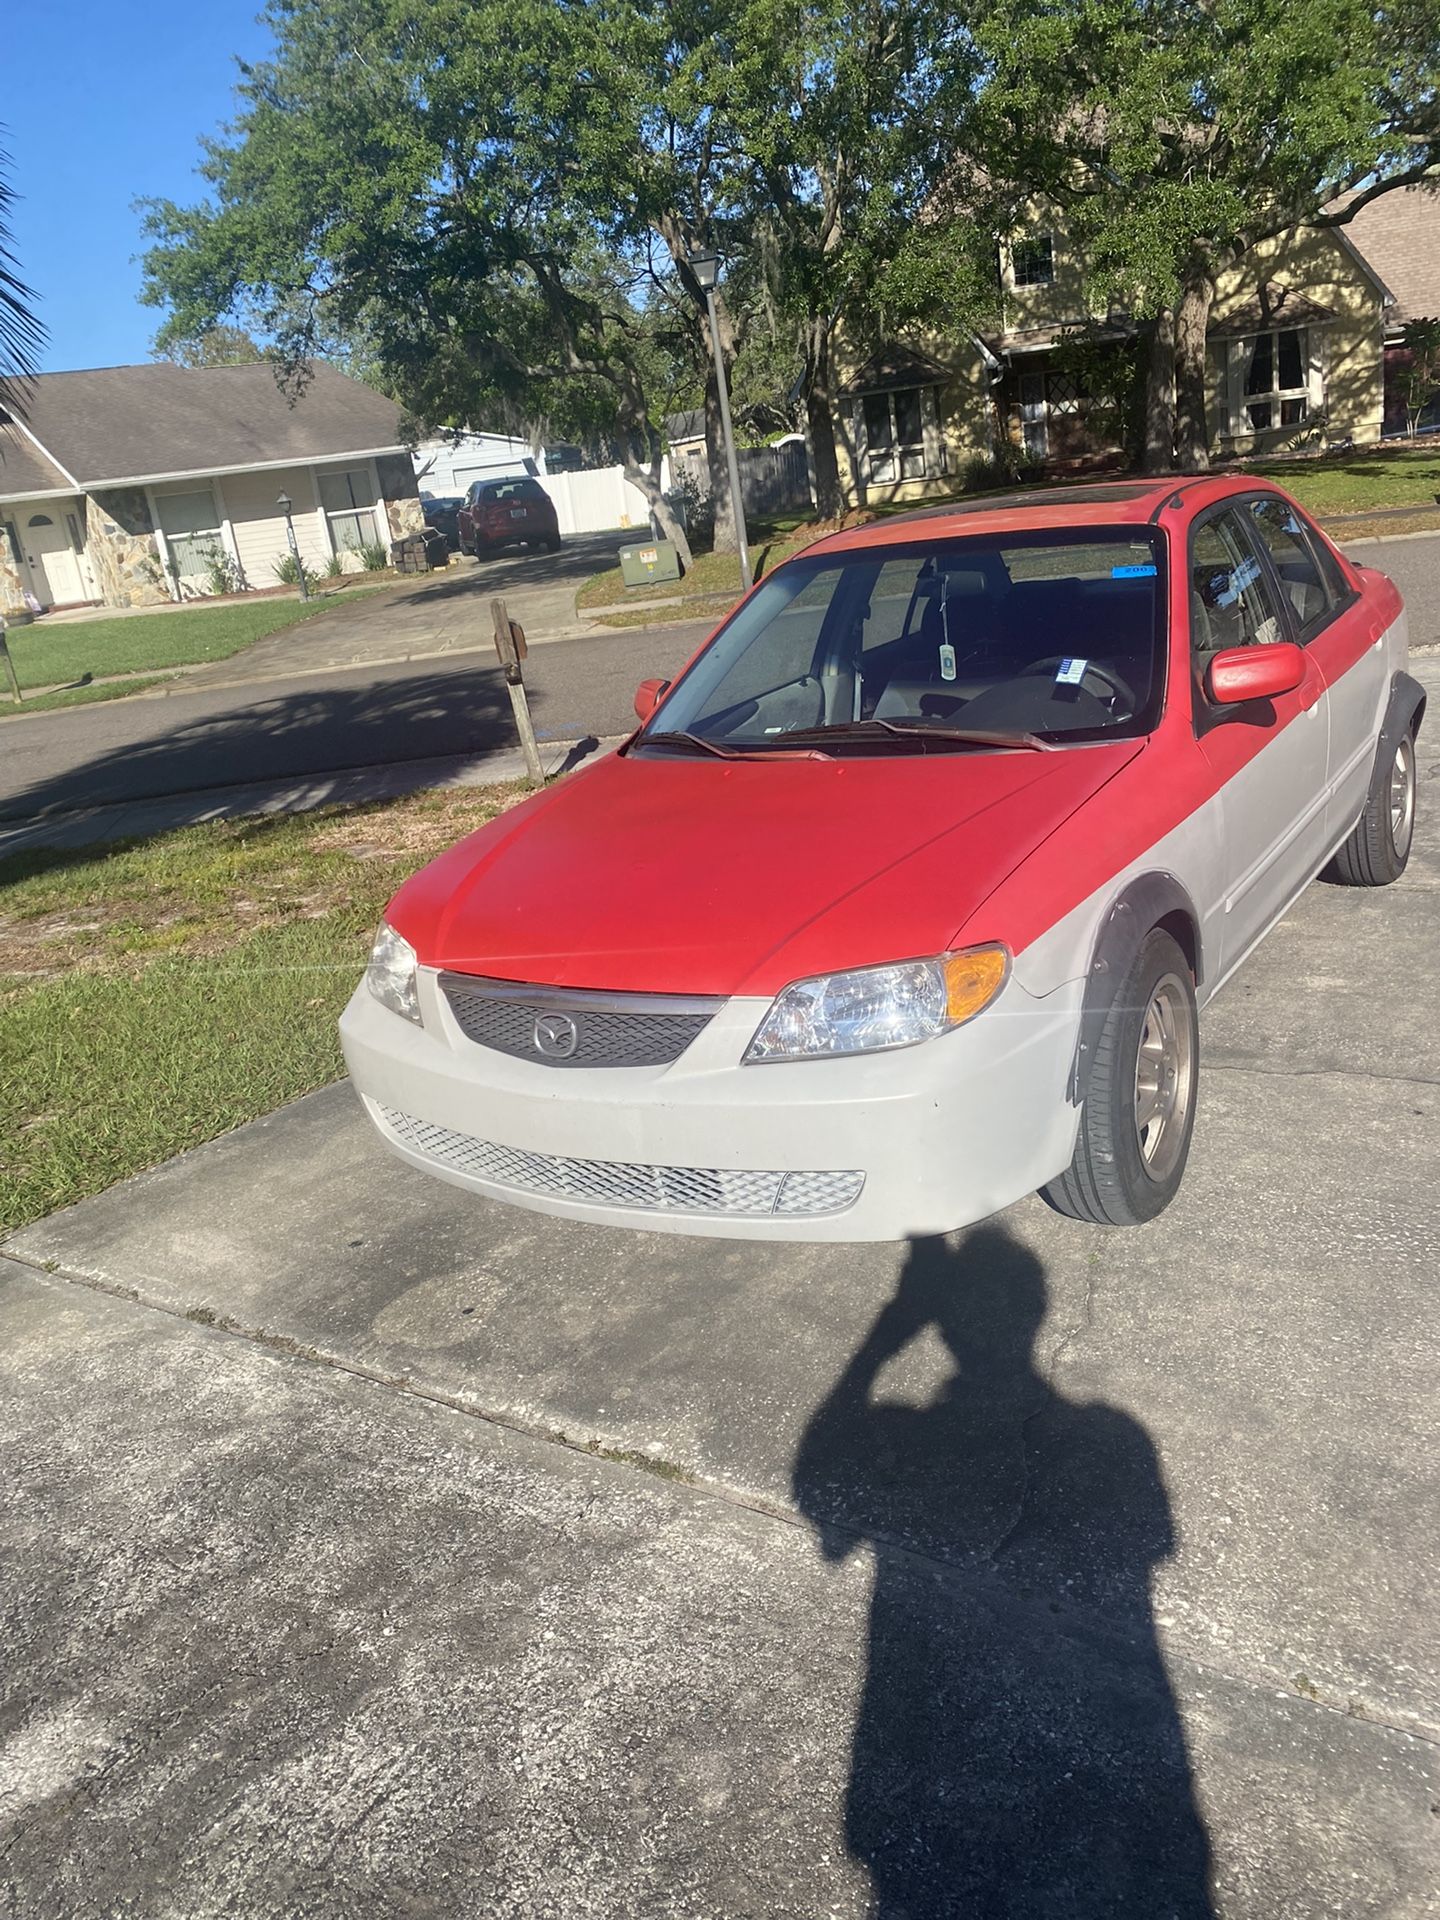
(374, 555)
(288, 571)
(222, 573)
(998, 468)
(693, 509)
(334, 567)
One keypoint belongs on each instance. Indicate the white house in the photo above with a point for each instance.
(121, 486)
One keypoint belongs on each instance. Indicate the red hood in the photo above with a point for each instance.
(702, 876)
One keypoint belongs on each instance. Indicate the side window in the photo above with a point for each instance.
(1231, 604)
(1295, 562)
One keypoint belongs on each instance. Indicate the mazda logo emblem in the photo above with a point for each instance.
(556, 1035)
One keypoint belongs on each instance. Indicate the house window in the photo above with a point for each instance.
(348, 498)
(191, 526)
(1032, 262)
(1275, 381)
(895, 436)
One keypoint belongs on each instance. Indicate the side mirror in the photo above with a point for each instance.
(648, 696)
(1254, 673)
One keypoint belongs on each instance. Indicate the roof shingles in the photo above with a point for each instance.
(107, 424)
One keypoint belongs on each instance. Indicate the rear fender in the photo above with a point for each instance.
(1146, 902)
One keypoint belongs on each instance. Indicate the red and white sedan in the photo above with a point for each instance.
(902, 901)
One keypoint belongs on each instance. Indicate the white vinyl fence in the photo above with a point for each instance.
(596, 501)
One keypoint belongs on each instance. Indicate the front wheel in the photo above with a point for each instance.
(1139, 1111)
(1378, 848)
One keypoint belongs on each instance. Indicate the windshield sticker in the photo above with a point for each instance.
(1070, 673)
(1132, 573)
(947, 662)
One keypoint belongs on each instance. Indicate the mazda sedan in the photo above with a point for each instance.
(902, 901)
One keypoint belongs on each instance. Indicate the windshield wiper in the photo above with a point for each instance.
(964, 736)
(767, 752)
(921, 730)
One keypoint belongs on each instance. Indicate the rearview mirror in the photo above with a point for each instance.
(1254, 673)
(648, 696)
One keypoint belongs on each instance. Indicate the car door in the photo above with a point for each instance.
(1346, 642)
(1268, 759)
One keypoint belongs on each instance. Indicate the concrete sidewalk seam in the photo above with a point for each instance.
(1257, 1679)
(1322, 1073)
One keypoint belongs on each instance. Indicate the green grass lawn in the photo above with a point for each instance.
(154, 995)
(698, 606)
(46, 655)
(712, 575)
(1360, 482)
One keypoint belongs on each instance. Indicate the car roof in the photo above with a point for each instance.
(1115, 503)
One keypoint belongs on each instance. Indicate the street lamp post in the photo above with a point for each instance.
(285, 503)
(705, 265)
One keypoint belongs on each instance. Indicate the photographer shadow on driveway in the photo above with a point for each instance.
(1017, 1747)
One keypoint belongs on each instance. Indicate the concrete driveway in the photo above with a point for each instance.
(372, 1549)
(437, 613)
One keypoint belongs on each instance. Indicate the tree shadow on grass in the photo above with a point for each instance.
(1018, 1750)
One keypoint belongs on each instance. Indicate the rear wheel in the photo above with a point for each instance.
(553, 544)
(1378, 849)
(1139, 1111)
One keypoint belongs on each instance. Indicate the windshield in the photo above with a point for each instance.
(1024, 639)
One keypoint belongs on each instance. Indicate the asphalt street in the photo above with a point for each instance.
(361, 717)
(369, 716)
(372, 1549)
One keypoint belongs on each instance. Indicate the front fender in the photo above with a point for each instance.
(1141, 905)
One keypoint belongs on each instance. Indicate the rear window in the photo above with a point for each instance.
(510, 492)
(1057, 634)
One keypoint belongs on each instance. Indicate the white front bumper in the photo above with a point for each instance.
(944, 1133)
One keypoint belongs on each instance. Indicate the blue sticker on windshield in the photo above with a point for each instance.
(1131, 573)
(1070, 673)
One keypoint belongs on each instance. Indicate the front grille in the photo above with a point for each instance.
(618, 1183)
(610, 1029)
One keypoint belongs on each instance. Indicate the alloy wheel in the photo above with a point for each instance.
(1164, 1077)
(1402, 797)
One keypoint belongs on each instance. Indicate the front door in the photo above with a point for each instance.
(51, 557)
(1269, 760)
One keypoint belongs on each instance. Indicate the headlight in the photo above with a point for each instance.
(877, 1007)
(390, 975)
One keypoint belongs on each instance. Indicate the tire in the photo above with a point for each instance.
(1378, 850)
(1124, 1173)
(554, 543)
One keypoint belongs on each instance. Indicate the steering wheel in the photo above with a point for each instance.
(1114, 688)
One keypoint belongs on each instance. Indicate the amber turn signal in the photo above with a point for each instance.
(972, 980)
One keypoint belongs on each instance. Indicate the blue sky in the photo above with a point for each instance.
(103, 103)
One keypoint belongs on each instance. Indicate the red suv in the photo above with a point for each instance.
(505, 513)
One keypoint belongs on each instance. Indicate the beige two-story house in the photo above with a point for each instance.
(1295, 362)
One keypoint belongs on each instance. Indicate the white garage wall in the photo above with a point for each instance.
(442, 467)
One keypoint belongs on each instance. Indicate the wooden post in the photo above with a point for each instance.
(10, 665)
(510, 646)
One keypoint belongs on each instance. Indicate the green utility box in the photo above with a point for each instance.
(656, 560)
